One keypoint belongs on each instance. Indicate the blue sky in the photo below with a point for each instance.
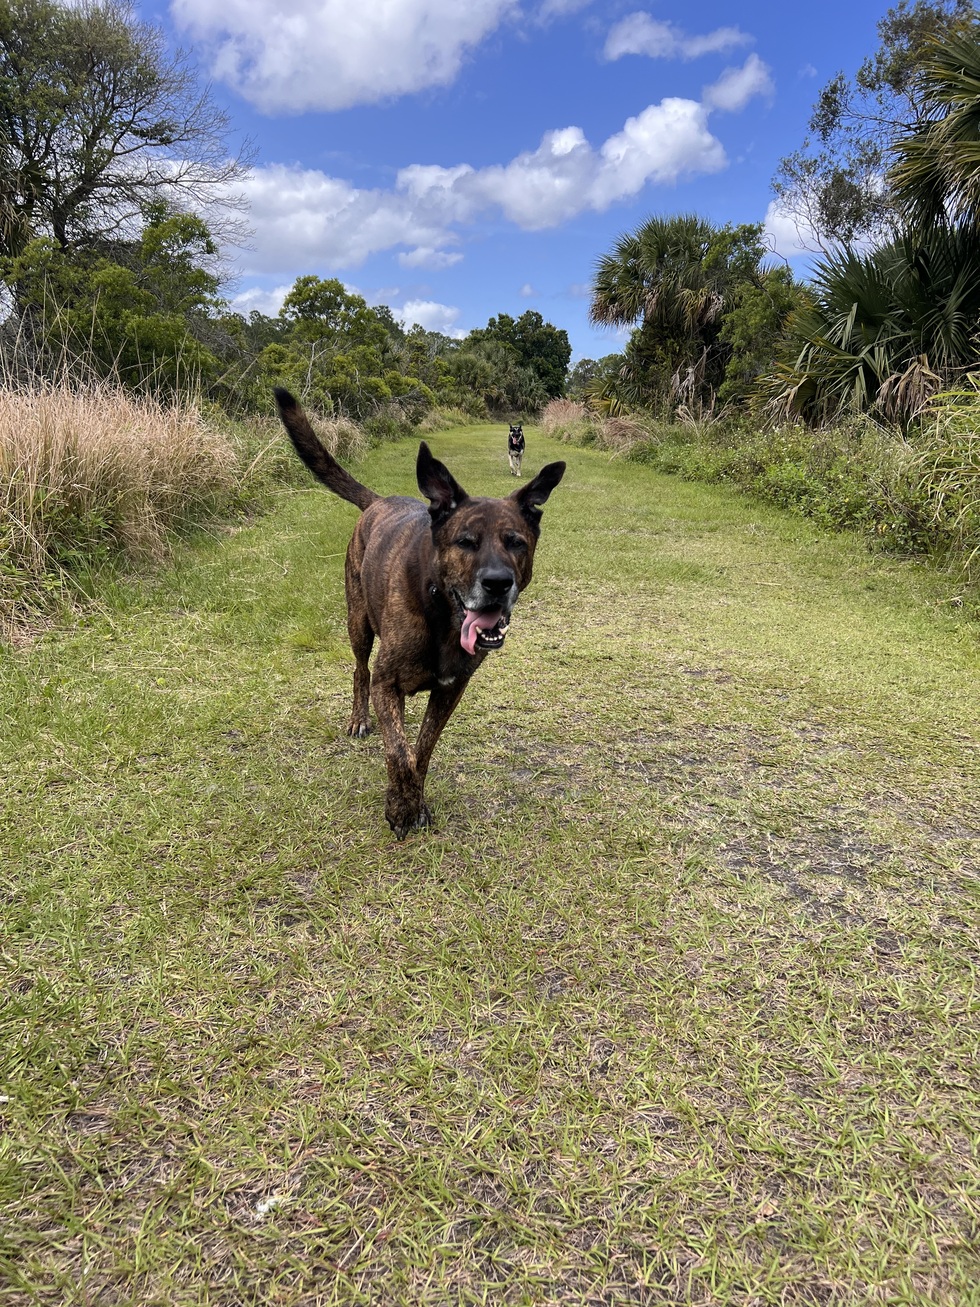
(456, 159)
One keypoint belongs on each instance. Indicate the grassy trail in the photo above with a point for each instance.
(677, 1004)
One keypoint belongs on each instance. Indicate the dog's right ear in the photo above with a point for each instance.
(439, 486)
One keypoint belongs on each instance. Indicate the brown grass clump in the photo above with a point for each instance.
(574, 423)
(90, 473)
(87, 474)
(621, 435)
(78, 466)
(445, 418)
(948, 467)
(342, 436)
(566, 420)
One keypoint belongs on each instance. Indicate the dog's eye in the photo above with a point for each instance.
(467, 542)
(514, 543)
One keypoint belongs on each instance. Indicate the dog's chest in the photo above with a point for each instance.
(454, 665)
(451, 664)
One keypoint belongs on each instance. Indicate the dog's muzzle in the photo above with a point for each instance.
(486, 609)
(483, 630)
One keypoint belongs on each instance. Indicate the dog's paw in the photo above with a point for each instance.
(358, 729)
(404, 817)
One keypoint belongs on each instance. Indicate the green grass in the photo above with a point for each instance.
(676, 1005)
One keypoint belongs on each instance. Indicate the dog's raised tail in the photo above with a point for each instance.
(318, 459)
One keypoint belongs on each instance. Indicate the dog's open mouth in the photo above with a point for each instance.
(484, 630)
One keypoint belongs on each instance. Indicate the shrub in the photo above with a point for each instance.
(946, 473)
(576, 424)
(388, 424)
(443, 418)
(921, 497)
(621, 435)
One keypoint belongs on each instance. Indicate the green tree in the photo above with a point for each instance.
(131, 317)
(324, 312)
(587, 374)
(329, 345)
(490, 369)
(889, 328)
(936, 174)
(694, 293)
(832, 185)
(885, 330)
(98, 120)
(753, 330)
(537, 345)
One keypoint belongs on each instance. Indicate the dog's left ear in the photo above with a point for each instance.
(439, 486)
(530, 497)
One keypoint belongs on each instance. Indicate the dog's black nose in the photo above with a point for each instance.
(496, 583)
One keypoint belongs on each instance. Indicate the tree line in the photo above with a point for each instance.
(117, 190)
(886, 185)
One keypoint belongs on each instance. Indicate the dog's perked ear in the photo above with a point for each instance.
(439, 486)
(530, 497)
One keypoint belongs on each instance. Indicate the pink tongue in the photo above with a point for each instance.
(473, 623)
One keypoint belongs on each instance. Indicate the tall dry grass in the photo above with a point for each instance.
(102, 469)
(564, 419)
(93, 473)
(444, 418)
(948, 467)
(567, 420)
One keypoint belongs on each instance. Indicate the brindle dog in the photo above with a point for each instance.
(436, 586)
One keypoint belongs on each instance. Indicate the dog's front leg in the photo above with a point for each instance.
(441, 706)
(404, 809)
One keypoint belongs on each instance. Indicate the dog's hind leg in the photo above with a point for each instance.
(361, 641)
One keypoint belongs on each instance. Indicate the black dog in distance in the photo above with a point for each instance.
(515, 448)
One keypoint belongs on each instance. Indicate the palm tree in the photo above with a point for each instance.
(674, 279)
(936, 176)
(658, 273)
(889, 328)
(886, 330)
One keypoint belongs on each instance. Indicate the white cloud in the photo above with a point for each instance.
(666, 141)
(737, 86)
(540, 188)
(302, 217)
(424, 256)
(431, 316)
(527, 291)
(640, 34)
(255, 298)
(557, 8)
(331, 54)
(565, 176)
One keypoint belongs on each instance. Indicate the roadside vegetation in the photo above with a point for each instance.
(908, 494)
(851, 397)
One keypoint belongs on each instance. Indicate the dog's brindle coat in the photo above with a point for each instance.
(436, 587)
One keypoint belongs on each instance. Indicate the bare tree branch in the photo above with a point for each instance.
(98, 120)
